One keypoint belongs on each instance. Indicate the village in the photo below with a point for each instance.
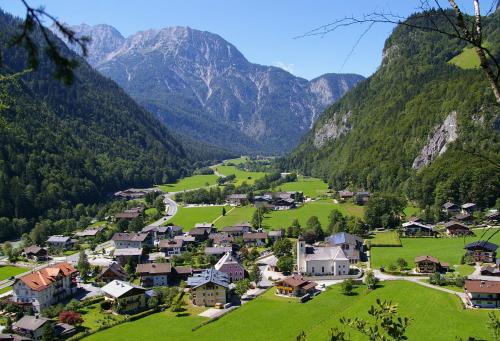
(213, 270)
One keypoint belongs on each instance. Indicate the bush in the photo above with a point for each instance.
(70, 317)
(347, 286)
(141, 314)
(105, 305)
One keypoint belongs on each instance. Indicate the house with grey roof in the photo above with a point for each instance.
(132, 240)
(60, 242)
(125, 297)
(208, 288)
(230, 265)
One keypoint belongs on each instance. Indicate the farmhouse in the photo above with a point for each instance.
(208, 288)
(236, 230)
(345, 195)
(199, 234)
(482, 294)
(429, 264)
(134, 193)
(295, 285)
(132, 240)
(209, 227)
(361, 198)
(489, 270)
(31, 328)
(229, 265)
(217, 250)
(123, 256)
(283, 204)
(112, 272)
(130, 214)
(351, 244)
(454, 228)
(465, 217)
(46, 286)
(154, 274)
(469, 208)
(89, 233)
(171, 247)
(35, 252)
(237, 199)
(221, 239)
(493, 216)
(255, 238)
(417, 229)
(60, 242)
(450, 208)
(481, 251)
(125, 297)
(325, 260)
(158, 232)
(274, 235)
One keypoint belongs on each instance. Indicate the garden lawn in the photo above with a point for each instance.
(241, 176)
(192, 182)
(389, 238)
(92, 316)
(311, 187)
(320, 208)
(188, 217)
(448, 250)
(276, 318)
(8, 271)
(4, 290)
(236, 215)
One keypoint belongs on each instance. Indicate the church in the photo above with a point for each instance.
(321, 260)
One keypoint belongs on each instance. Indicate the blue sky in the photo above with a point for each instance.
(263, 31)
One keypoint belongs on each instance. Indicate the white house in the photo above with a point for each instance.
(321, 260)
(46, 286)
(60, 242)
(132, 240)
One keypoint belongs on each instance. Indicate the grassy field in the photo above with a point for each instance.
(411, 211)
(311, 187)
(8, 271)
(92, 316)
(275, 318)
(187, 217)
(445, 249)
(320, 208)
(236, 215)
(385, 238)
(192, 182)
(241, 175)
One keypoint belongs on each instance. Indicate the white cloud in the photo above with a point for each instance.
(285, 66)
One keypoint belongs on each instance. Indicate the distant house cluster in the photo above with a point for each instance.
(277, 201)
(359, 198)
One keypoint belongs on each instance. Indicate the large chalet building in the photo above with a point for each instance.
(46, 286)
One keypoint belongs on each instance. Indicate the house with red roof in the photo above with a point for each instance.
(482, 294)
(46, 286)
(295, 285)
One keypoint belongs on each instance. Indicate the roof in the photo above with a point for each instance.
(209, 276)
(154, 268)
(157, 229)
(462, 216)
(89, 232)
(417, 224)
(236, 196)
(118, 289)
(228, 258)
(34, 249)
(130, 237)
(186, 239)
(183, 270)
(58, 239)
(346, 193)
(298, 281)
(468, 205)
(325, 253)
(479, 286)
(43, 278)
(219, 238)
(170, 243)
(233, 228)
(428, 258)
(127, 215)
(197, 231)
(132, 251)
(449, 205)
(116, 269)
(254, 235)
(344, 238)
(492, 214)
(31, 323)
(217, 250)
(454, 224)
(481, 244)
(275, 233)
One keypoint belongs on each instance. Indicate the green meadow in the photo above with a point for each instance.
(192, 182)
(276, 318)
(235, 215)
(187, 217)
(8, 271)
(311, 187)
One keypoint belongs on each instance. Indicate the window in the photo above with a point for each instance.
(322, 269)
(313, 269)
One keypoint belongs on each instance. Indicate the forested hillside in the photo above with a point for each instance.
(63, 145)
(419, 126)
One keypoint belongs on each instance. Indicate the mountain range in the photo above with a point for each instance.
(201, 86)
